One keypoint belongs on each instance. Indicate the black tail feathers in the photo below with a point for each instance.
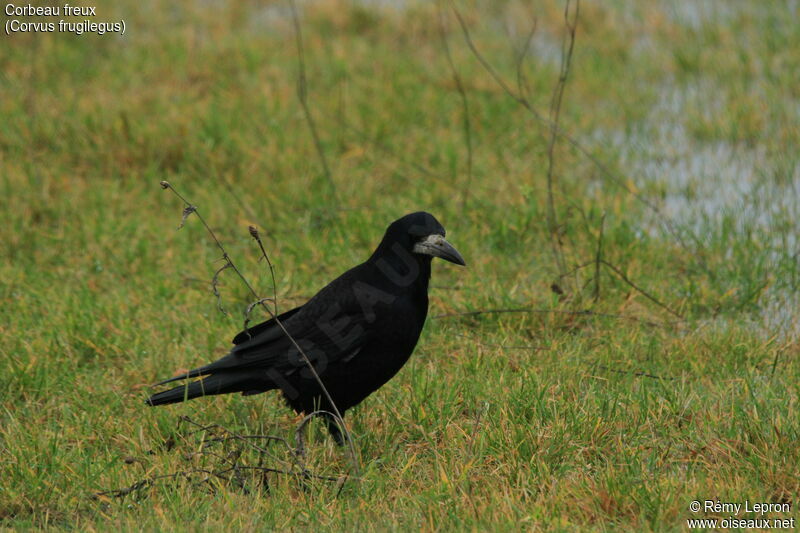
(222, 383)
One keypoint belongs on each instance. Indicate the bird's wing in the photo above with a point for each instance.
(264, 327)
(335, 335)
(332, 326)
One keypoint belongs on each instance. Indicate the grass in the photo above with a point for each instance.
(500, 421)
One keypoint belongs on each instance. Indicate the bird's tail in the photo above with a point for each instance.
(222, 383)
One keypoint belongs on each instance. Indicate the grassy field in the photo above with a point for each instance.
(652, 358)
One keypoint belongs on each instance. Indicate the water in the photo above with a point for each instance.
(716, 185)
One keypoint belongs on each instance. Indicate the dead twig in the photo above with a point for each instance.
(464, 107)
(478, 419)
(249, 309)
(522, 83)
(636, 373)
(600, 261)
(597, 257)
(302, 95)
(567, 47)
(583, 312)
(254, 233)
(230, 465)
(643, 292)
(299, 434)
(228, 436)
(215, 286)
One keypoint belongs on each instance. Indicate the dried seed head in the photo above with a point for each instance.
(188, 210)
(165, 184)
(253, 232)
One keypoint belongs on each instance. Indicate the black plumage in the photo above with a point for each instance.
(358, 331)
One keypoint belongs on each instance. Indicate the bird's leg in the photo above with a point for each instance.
(334, 429)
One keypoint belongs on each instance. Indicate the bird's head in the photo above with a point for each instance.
(423, 235)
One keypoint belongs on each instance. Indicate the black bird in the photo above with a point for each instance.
(358, 331)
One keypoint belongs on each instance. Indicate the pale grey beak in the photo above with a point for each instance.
(437, 246)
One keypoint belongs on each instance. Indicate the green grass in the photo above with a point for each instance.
(500, 421)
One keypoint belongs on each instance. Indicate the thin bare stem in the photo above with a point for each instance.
(585, 312)
(300, 430)
(478, 419)
(598, 256)
(522, 82)
(567, 48)
(633, 372)
(302, 95)
(215, 287)
(644, 293)
(249, 309)
(254, 233)
(467, 126)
